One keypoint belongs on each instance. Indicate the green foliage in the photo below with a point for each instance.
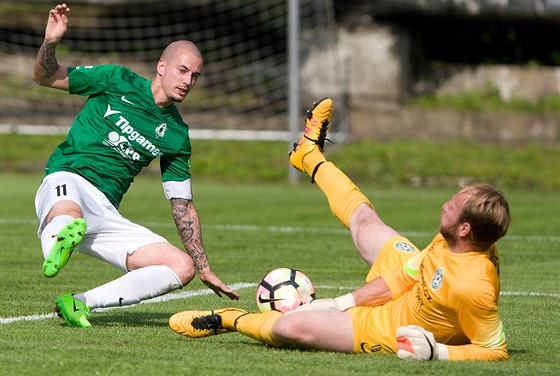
(396, 163)
(486, 99)
(447, 164)
(249, 229)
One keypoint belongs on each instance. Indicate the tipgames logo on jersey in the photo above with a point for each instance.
(121, 142)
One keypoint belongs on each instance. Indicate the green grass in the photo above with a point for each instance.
(248, 229)
(390, 164)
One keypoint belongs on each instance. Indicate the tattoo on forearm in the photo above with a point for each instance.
(48, 59)
(188, 226)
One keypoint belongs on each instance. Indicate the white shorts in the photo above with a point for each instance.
(109, 237)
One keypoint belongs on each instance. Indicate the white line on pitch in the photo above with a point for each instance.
(236, 286)
(294, 230)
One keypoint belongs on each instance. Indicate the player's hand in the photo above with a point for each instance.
(216, 285)
(57, 23)
(416, 343)
(342, 303)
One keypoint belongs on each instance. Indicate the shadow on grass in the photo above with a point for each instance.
(517, 351)
(137, 319)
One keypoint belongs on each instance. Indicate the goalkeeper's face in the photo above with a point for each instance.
(450, 225)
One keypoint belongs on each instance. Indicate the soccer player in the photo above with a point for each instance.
(126, 122)
(440, 303)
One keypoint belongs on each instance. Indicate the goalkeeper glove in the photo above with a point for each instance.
(416, 343)
(342, 303)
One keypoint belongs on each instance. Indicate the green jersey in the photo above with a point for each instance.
(119, 131)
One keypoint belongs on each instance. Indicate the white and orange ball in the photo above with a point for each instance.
(278, 290)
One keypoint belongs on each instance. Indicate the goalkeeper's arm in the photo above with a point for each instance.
(378, 291)
(372, 294)
(416, 343)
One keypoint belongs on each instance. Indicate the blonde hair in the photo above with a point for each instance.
(487, 211)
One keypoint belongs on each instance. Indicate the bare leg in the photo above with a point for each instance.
(316, 330)
(369, 232)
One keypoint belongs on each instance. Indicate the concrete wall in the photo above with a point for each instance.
(376, 68)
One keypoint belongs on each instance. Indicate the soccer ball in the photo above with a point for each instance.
(278, 290)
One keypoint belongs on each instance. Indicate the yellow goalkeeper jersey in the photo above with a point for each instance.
(453, 295)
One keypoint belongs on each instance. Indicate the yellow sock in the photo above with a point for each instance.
(343, 196)
(311, 160)
(229, 316)
(258, 326)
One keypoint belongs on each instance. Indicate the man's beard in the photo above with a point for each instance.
(449, 233)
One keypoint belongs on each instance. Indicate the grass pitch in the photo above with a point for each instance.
(249, 229)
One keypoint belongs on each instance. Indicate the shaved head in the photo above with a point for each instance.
(178, 47)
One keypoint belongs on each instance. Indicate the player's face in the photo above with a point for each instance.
(451, 211)
(180, 75)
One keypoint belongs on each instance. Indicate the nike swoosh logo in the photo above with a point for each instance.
(264, 300)
(74, 304)
(126, 100)
(370, 349)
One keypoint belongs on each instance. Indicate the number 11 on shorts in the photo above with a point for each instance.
(61, 190)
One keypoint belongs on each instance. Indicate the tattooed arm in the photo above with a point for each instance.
(188, 224)
(47, 71)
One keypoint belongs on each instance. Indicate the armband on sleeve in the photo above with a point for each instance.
(402, 279)
(178, 189)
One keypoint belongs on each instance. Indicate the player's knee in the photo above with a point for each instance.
(183, 267)
(184, 271)
(64, 207)
(364, 218)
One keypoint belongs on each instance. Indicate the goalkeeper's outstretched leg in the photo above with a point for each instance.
(346, 200)
(272, 328)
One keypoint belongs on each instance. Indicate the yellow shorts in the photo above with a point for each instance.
(373, 329)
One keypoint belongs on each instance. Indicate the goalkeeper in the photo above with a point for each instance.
(440, 303)
(126, 122)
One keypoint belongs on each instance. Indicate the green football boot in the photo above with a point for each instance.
(68, 238)
(73, 311)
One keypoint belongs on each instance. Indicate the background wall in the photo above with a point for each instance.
(373, 57)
